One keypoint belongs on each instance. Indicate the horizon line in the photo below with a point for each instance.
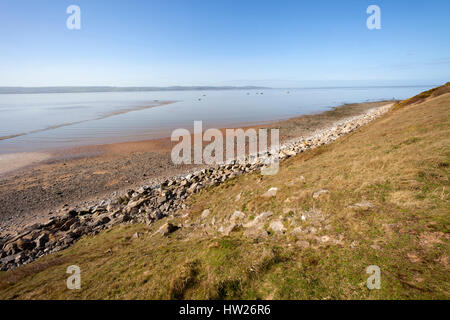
(91, 89)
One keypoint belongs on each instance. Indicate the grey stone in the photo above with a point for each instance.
(277, 226)
(237, 215)
(229, 229)
(205, 213)
(270, 193)
(364, 205)
(256, 232)
(258, 219)
(319, 193)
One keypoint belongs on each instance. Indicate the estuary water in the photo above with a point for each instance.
(35, 122)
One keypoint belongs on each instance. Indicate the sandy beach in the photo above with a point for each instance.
(34, 186)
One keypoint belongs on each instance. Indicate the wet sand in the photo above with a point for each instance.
(42, 183)
(12, 162)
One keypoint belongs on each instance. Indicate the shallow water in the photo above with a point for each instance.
(56, 120)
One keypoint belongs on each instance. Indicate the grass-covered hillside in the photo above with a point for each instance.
(378, 196)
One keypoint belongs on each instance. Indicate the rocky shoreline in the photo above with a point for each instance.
(150, 203)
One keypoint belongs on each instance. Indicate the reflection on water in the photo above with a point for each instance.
(73, 119)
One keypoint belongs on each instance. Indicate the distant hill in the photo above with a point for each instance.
(16, 90)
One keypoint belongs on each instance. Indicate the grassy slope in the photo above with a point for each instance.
(400, 163)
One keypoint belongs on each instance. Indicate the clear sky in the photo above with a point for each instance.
(224, 42)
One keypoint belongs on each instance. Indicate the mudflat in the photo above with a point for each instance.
(45, 182)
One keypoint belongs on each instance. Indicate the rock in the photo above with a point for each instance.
(325, 238)
(32, 226)
(167, 229)
(297, 231)
(81, 230)
(133, 204)
(161, 199)
(364, 205)
(231, 228)
(25, 244)
(11, 248)
(41, 241)
(99, 221)
(103, 220)
(137, 235)
(20, 257)
(205, 213)
(277, 226)
(84, 212)
(302, 244)
(258, 219)
(69, 238)
(319, 193)
(237, 215)
(296, 181)
(66, 226)
(193, 188)
(313, 214)
(256, 233)
(142, 189)
(270, 193)
(98, 209)
(10, 258)
(184, 183)
(288, 153)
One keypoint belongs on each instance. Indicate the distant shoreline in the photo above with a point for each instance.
(91, 89)
(31, 90)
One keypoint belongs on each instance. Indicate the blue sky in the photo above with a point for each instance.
(217, 42)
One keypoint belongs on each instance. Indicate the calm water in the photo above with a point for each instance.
(83, 114)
